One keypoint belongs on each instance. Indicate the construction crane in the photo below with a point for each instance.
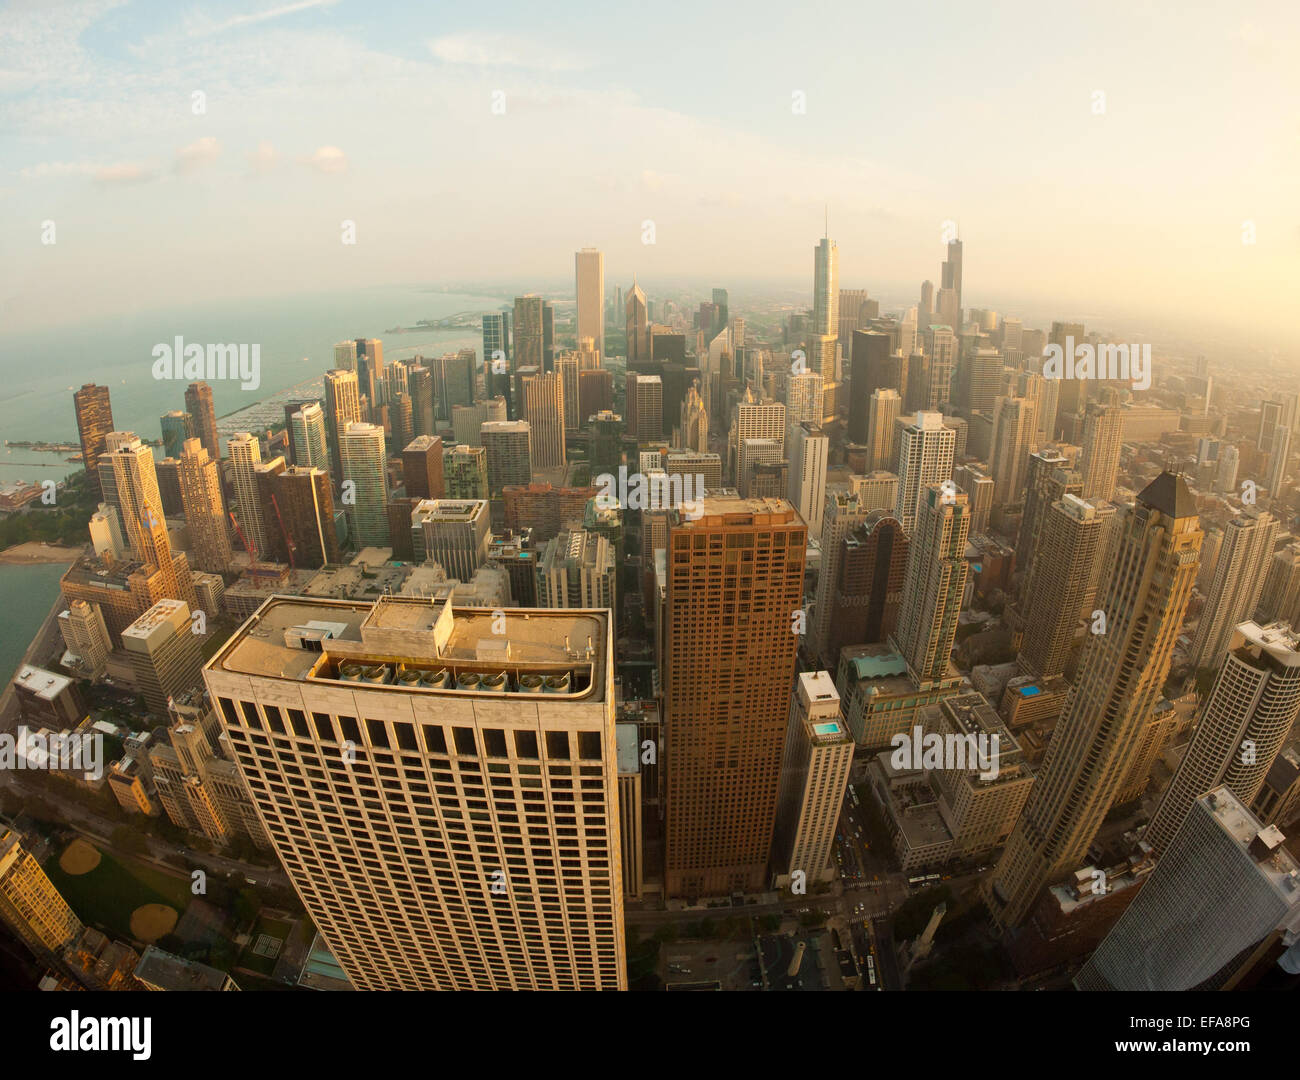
(252, 551)
(288, 544)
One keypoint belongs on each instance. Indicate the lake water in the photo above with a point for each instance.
(296, 335)
(26, 596)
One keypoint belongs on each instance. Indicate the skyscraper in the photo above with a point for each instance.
(940, 345)
(245, 456)
(304, 500)
(1250, 711)
(454, 533)
(1048, 479)
(361, 449)
(176, 427)
(307, 436)
(1238, 582)
(205, 510)
(198, 403)
(496, 353)
(542, 395)
(1223, 885)
(164, 653)
(844, 511)
(695, 422)
(814, 773)
(826, 284)
(728, 669)
(925, 458)
(576, 569)
(1121, 674)
(94, 422)
(465, 471)
(508, 445)
(342, 407)
(882, 426)
(1103, 430)
(934, 583)
(866, 592)
(568, 368)
(645, 406)
(868, 372)
(1070, 544)
(589, 271)
(637, 326)
(1013, 435)
(29, 903)
(529, 343)
(452, 892)
(951, 278)
(422, 467)
(370, 372)
(808, 451)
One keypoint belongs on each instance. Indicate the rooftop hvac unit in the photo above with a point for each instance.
(377, 674)
(409, 677)
(351, 672)
(468, 680)
(437, 680)
(556, 684)
(497, 683)
(530, 684)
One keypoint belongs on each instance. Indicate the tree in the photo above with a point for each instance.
(130, 841)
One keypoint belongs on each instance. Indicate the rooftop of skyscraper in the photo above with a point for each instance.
(301, 639)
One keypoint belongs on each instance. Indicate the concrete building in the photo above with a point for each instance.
(1238, 583)
(809, 449)
(1225, 883)
(1120, 677)
(422, 467)
(934, 585)
(29, 904)
(454, 533)
(1246, 720)
(451, 900)
(576, 569)
(164, 653)
(726, 683)
(364, 461)
(205, 508)
(814, 773)
(86, 636)
(509, 453)
(542, 394)
(925, 458)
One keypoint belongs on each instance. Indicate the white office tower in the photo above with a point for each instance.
(803, 398)
(307, 437)
(809, 448)
(1238, 582)
(454, 533)
(1255, 700)
(925, 458)
(882, 425)
(361, 448)
(1226, 481)
(245, 455)
(443, 797)
(814, 772)
(1224, 884)
(576, 569)
(1014, 431)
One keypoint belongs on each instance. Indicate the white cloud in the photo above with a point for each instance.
(264, 158)
(199, 153)
(328, 159)
(124, 172)
(494, 50)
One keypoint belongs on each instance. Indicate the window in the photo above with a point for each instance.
(494, 740)
(526, 744)
(435, 740)
(557, 745)
(465, 741)
(589, 746)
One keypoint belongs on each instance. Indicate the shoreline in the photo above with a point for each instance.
(35, 553)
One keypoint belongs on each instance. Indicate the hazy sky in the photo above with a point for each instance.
(681, 113)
